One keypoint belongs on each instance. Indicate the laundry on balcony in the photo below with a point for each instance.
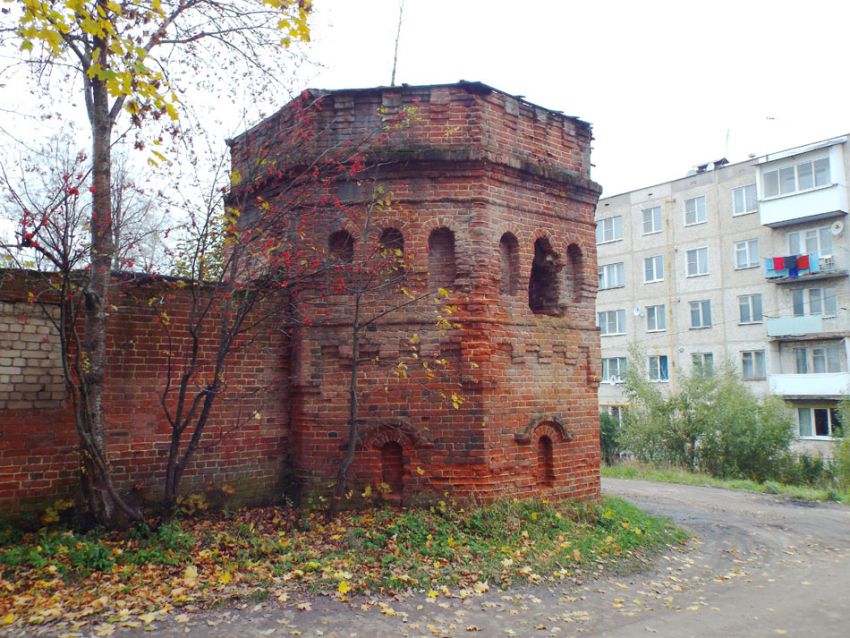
(791, 266)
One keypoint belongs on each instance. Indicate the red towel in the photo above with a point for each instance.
(802, 262)
(779, 263)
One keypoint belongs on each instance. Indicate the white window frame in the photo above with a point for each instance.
(749, 302)
(812, 240)
(746, 254)
(701, 310)
(653, 216)
(656, 318)
(609, 229)
(786, 180)
(658, 368)
(656, 265)
(613, 369)
(757, 364)
(801, 360)
(815, 301)
(826, 359)
(608, 318)
(702, 362)
(612, 276)
(747, 196)
(695, 214)
(832, 421)
(697, 253)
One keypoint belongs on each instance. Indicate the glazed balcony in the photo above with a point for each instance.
(806, 206)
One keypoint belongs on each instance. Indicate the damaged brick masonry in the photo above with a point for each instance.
(492, 201)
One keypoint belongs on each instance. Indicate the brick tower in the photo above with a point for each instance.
(491, 201)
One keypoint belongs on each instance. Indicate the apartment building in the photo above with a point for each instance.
(746, 262)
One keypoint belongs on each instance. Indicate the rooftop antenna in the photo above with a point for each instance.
(726, 150)
(397, 36)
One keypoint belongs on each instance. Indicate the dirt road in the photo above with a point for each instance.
(758, 566)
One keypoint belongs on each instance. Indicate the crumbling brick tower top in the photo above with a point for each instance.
(491, 200)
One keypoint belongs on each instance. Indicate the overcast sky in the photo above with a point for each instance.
(666, 84)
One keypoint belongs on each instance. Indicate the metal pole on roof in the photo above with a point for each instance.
(397, 37)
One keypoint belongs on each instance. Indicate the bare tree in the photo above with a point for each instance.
(139, 222)
(122, 56)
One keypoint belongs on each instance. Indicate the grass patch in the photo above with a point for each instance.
(273, 553)
(649, 473)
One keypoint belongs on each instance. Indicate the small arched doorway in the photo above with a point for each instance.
(545, 461)
(392, 467)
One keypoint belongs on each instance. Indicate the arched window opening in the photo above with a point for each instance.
(441, 259)
(341, 246)
(392, 466)
(508, 264)
(545, 461)
(391, 247)
(574, 273)
(543, 289)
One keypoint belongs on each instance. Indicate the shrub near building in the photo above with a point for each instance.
(711, 423)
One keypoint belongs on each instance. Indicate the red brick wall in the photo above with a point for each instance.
(480, 164)
(38, 446)
(461, 157)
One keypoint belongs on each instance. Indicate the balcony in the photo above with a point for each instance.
(806, 206)
(803, 196)
(794, 326)
(829, 385)
(815, 267)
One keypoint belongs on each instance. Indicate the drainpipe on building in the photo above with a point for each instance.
(669, 278)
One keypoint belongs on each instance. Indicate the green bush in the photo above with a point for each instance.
(841, 463)
(813, 470)
(805, 469)
(713, 423)
(746, 437)
(609, 438)
(650, 430)
(840, 466)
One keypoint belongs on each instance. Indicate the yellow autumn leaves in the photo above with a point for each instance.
(112, 43)
(440, 550)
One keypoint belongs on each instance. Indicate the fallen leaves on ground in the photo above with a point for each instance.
(137, 578)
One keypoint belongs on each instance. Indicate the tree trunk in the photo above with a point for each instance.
(103, 500)
(342, 471)
(172, 472)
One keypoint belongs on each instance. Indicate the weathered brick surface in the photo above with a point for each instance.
(38, 457)
(478, 178)
(465, 165)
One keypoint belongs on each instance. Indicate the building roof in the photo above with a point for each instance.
(724, 164)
